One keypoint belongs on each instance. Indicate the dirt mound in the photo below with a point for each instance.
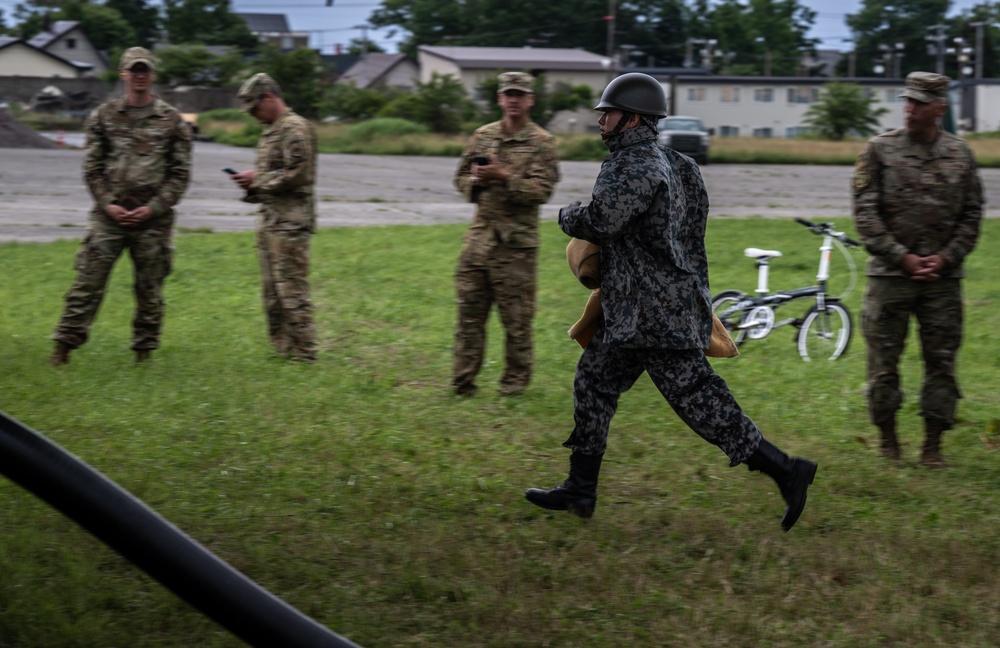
(14, 134)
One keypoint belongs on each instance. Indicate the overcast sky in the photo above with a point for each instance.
(341, 23)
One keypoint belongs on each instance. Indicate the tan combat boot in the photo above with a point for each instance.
(60, 356)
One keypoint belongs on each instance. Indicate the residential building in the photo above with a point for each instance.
(378, 70)
(67, 40)
(19, 58)
(274, 30)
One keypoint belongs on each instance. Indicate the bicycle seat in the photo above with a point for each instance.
(757, 253)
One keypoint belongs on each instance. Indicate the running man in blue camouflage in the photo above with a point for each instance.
(918, 202)
(137, 166)
(648, 214)
(283, 183)
(509, 169)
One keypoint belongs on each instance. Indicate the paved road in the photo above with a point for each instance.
(42, 196)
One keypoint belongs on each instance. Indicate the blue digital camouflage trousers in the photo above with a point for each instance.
(152, 256)
(885, 319)
(698, 395)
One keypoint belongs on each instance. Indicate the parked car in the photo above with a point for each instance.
(685, 135)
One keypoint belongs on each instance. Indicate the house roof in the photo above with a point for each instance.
(55, 31)
(259, 23)
(371, 68)
(6, 42)
(520, 57)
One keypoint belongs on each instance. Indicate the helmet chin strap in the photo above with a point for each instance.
(625, 118)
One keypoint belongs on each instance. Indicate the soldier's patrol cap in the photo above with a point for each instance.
(252, 89)
(926, 87)
(521, 81)
(135, 55)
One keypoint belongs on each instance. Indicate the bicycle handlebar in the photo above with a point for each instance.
(827, 228)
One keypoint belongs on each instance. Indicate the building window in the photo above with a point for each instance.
(802, 95)
(796, 131)
(729, 94)
(763, 132)
(696, 94)
(729, 131)
(763, 95)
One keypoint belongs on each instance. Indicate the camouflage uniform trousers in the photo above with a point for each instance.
(885, 319)
(698, 395)
(152, 257)
(505, 276)
(284, 268)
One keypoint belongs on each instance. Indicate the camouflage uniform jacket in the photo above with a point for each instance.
(648, 213)
(137, 156)
(286, 174)
(509, 213)
(916, 198)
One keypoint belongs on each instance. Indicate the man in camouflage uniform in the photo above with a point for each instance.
(918, 203)
(509, 168)
(648, 213)
(283, 183)
(137, 166)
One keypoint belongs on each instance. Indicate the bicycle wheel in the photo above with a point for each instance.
(825, 333)
(721, 305)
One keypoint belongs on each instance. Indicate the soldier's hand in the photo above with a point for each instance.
(926, 268)
(488, 172)
(136, 216)
(116, 212)
(244, 178)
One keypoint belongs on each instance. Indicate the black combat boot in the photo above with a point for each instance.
(60, 355)
(889, 447)
(578, 494)
(793, 477)
(930, 454)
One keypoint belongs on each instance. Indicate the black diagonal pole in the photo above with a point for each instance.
(163, 551)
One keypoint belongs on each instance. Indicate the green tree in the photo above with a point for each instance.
(349, 102)
(106, 28)
(441, 104)
(882, 24)
(300, 75)
(197, 65)
(207, 22)
(758, 37)
(142, 17)
(842, 110)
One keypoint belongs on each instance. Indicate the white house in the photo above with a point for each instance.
(67, 40)
(19, 58)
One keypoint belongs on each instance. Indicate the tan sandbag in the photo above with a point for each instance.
(590, 321)
(584, 260)
(721, 345)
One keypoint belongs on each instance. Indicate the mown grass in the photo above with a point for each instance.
(365, 494)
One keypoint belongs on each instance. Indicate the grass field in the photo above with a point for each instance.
(362, 492)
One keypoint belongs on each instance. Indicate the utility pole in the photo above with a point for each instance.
(610, 19)
(938, 41)
(979, 48)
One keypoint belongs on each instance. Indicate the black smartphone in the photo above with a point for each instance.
(230, 171)
(481, 160)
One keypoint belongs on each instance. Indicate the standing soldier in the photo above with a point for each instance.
(918, 203)
(137, 166)
(509, 168)
(282, 182)
(648, 214)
